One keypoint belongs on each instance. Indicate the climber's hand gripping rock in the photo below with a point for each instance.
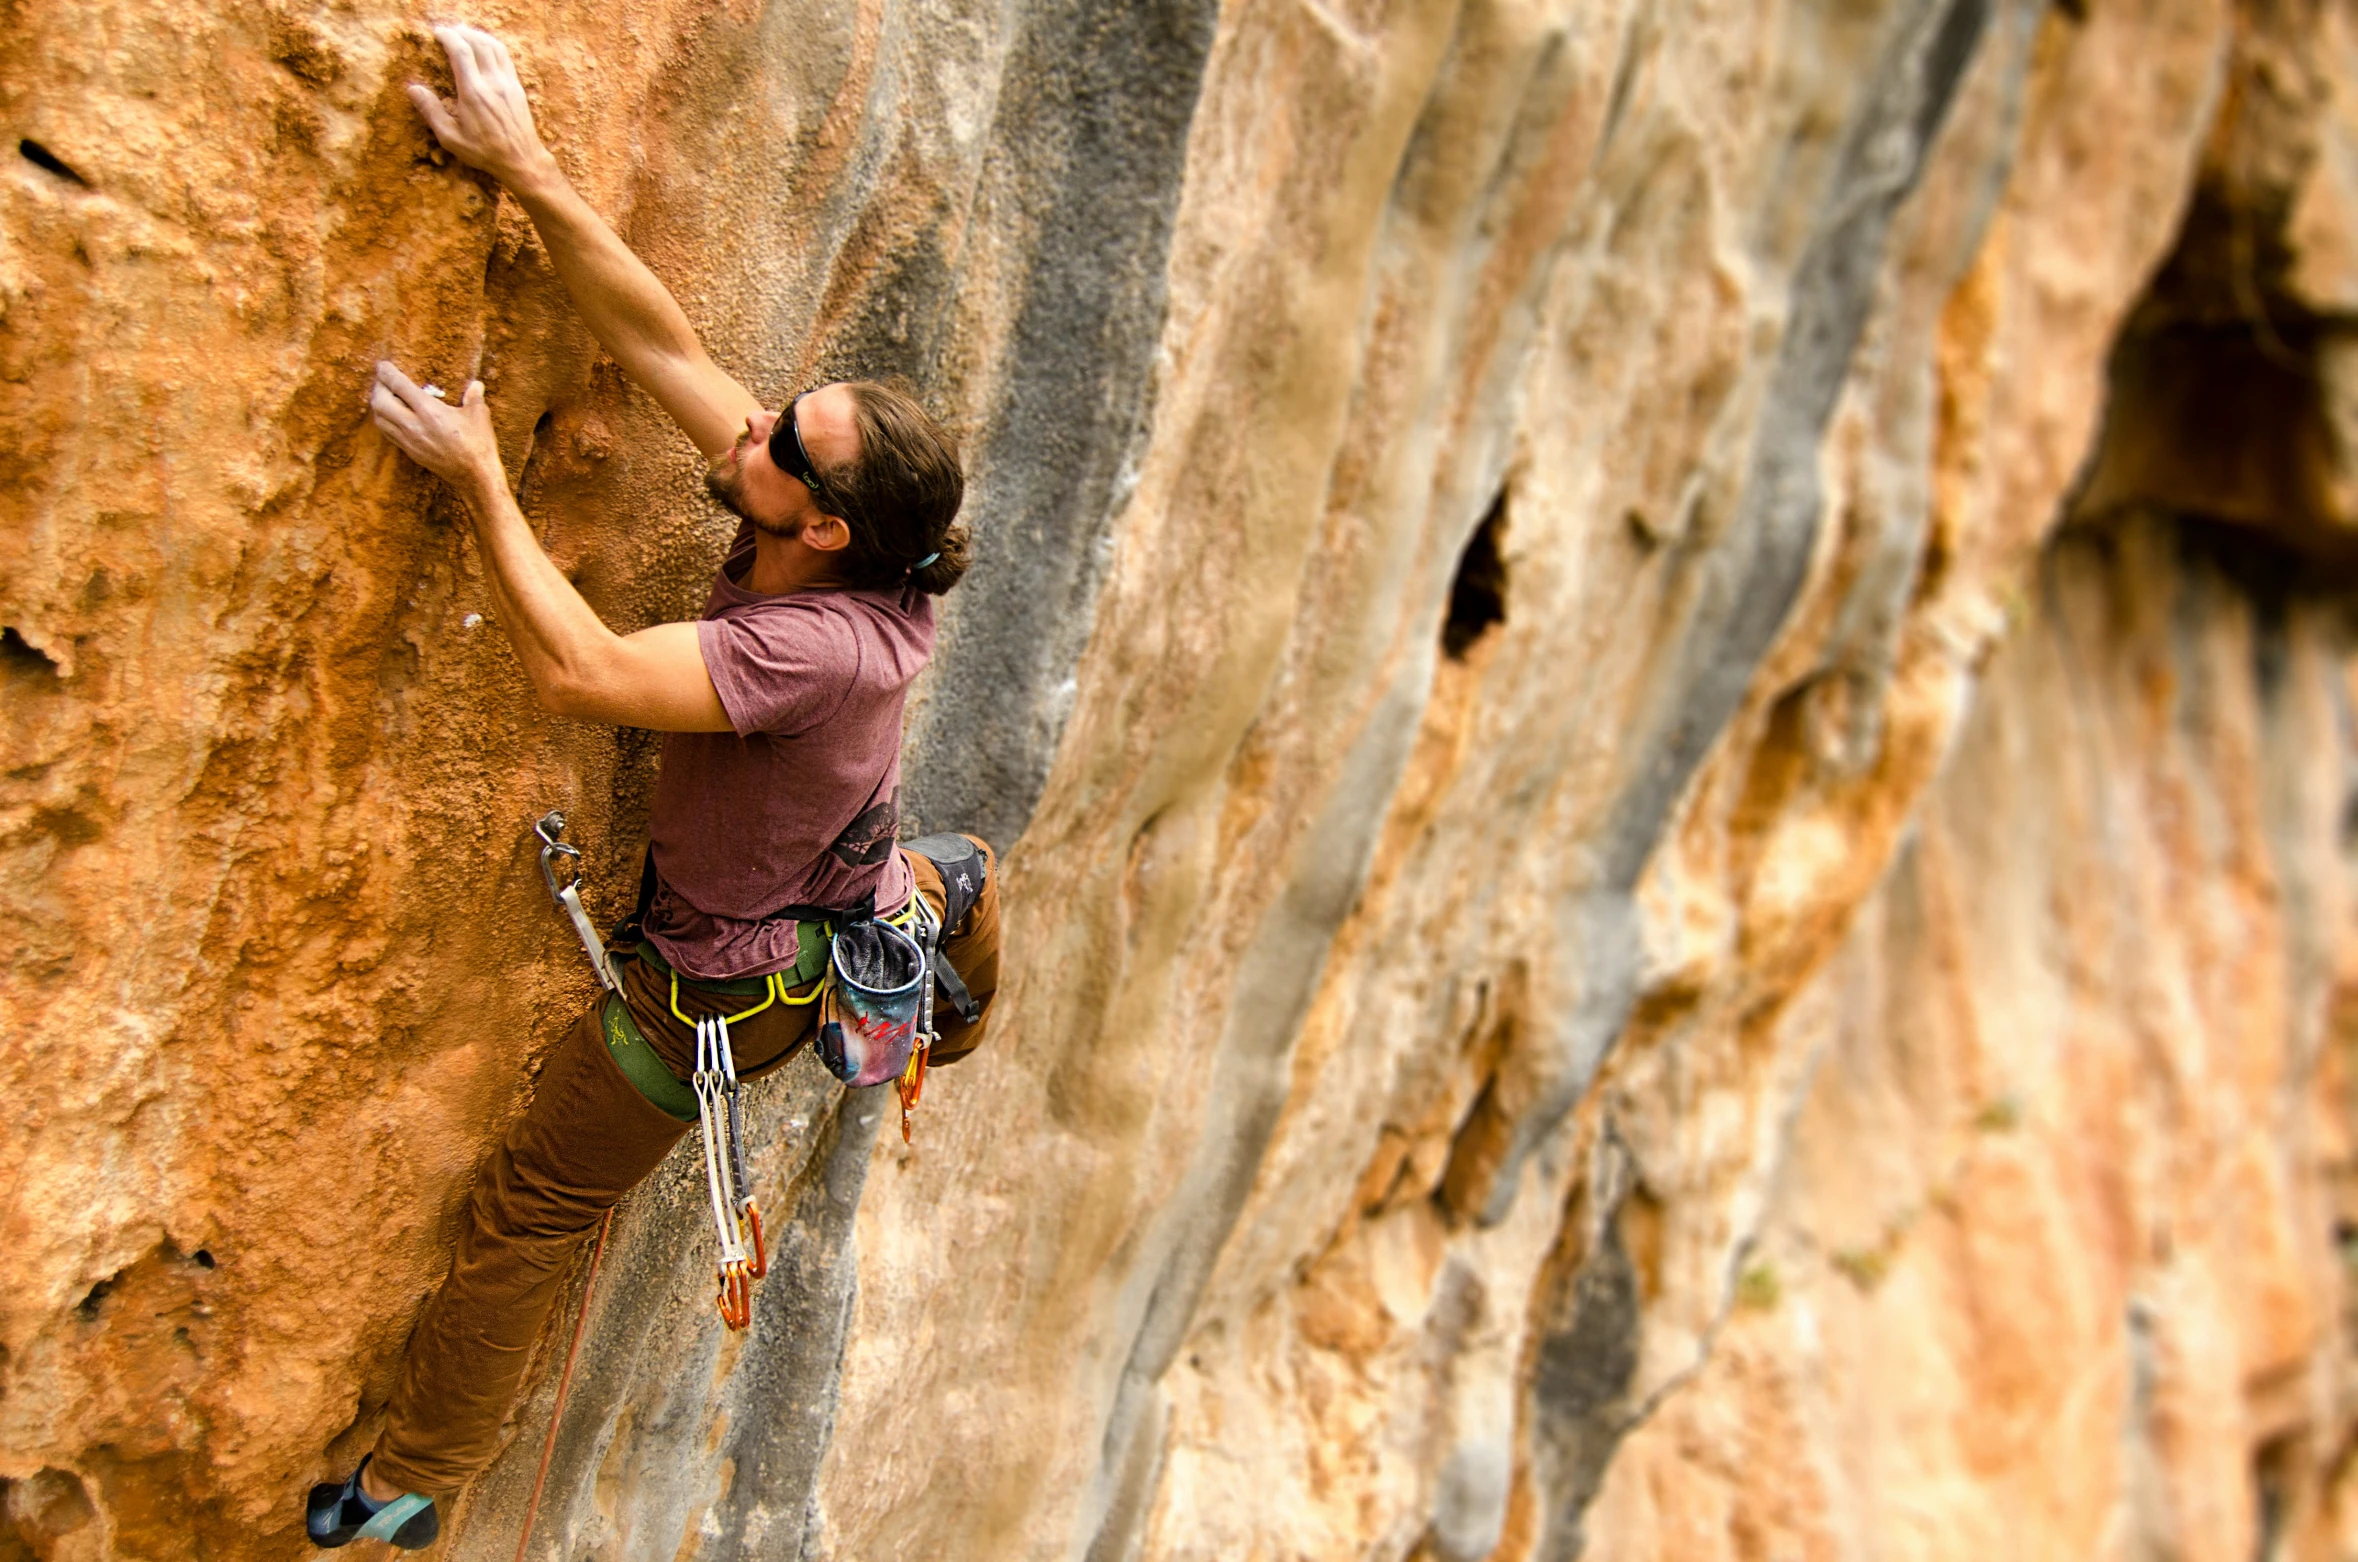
(488, 125)
(454, 443)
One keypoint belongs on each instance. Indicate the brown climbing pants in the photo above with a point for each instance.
(588, 1138)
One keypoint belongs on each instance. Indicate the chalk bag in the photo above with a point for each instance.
(869, 1026)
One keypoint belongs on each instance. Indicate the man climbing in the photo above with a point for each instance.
(776, 807)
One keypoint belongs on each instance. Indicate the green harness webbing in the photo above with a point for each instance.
(628, 1047)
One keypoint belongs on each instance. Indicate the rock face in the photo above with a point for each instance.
(2051, 1270)
(1670, 691)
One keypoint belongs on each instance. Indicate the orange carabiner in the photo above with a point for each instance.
(761, 1257)
(911, 1084)
(736, 1296)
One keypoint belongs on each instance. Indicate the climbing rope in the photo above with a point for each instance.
(564, 1384)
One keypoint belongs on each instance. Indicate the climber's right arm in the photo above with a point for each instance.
(633, 316)
(654, 679)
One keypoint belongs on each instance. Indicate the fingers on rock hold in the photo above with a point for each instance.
(434, 109)
(390, 373)
(460, 48)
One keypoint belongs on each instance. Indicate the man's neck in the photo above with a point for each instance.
(782, 564)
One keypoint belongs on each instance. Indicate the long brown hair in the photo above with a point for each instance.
(900, 495)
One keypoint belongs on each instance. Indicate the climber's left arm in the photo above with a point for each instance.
(655, 678)
(488, 125)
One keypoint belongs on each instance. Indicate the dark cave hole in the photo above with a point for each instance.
(90, 1306)
(533, 454)
(204, 1258)
(19, 658)
(1477, 594)
(41, 157)
(2222, 407)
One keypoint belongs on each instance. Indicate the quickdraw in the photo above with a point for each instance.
(550, 827)
(911, 1085)
(736, 1218)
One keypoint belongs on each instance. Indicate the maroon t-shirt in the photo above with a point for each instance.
(800, 806)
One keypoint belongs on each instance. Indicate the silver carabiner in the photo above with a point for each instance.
(550, 827)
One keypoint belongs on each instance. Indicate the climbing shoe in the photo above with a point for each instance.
(340, 1515)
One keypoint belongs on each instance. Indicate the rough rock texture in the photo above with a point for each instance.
(1612, 943)
(2059, 1260)
(2052, 1270)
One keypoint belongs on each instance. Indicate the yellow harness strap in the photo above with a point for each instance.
(777, 990)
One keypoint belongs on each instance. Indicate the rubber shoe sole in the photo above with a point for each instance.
(331, 1520)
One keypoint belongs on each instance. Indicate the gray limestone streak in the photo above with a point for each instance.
(1739, 591)
(1081, 164)
(1089, 149)
(1736, 589)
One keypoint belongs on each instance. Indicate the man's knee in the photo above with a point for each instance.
(972, 948)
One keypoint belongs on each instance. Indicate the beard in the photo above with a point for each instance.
(725, 481)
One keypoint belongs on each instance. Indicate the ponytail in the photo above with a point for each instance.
(900, 495)
(950, 560)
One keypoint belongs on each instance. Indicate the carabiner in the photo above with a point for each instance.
(736, 1296)
(911, 1084)
(550, 827)
(761, 1255)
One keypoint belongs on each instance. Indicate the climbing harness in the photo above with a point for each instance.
(550, 827)
(875, 991)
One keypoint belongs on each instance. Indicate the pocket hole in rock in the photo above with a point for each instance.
(20, 658)
(1477, 595)
(534, 452)
(41, 157)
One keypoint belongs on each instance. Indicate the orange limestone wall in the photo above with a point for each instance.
(1668, 688)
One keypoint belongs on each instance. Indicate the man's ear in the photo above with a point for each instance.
(827, 533)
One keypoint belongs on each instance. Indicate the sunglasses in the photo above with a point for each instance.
(786, 449)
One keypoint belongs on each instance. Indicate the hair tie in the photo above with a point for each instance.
(921, 563)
